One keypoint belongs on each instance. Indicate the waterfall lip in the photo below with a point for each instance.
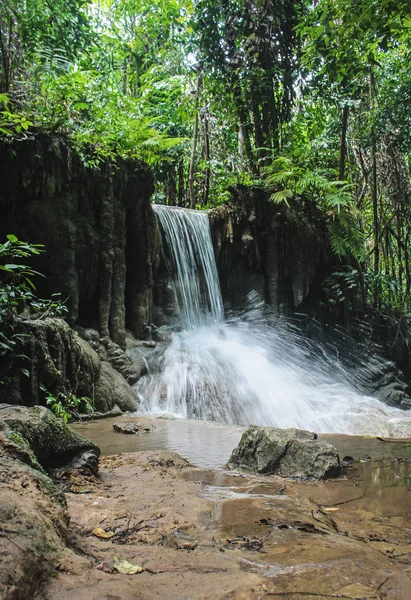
(180, 208)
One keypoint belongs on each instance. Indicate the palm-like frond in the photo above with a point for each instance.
(281, 196)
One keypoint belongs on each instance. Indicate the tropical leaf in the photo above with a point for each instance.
(281, 196)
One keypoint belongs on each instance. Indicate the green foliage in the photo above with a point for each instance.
(18, 299)
(65, 406)
(333, 198)
(12, 123)
(322, 87)
(341, 285)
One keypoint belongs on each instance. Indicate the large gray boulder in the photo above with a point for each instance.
(47, 439)
(285, 452)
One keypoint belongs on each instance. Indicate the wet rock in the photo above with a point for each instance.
(63, 362)
(396, 394)
(131, 428)
(121, 361)
(112, 389)
(96, 415)
(50, 441)
(285, 452)
(109, 351)
(33, 524)
(87, 459)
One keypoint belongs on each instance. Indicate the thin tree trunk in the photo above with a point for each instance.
(170, 186)
(343, 143)
(243, 121)
(374, 193)
(246, 137)
(206, 157)
(6, 62)
(273, 118)
(194, 145)
(258, 130)
(181, 181)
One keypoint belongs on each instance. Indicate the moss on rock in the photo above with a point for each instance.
(45, 438)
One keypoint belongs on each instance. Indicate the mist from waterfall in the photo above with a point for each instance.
(245, 370)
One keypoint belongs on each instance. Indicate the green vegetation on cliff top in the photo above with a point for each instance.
(309, 101)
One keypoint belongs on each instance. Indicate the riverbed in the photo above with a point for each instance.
(205, 532)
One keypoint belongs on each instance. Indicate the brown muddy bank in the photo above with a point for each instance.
(152, 525)
(212, 533)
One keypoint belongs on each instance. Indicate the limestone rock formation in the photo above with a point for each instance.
(118, 358)
(98, 227)
(61, 361)
(112, 389)
(281, 253)
(285, 452)
(33, 521)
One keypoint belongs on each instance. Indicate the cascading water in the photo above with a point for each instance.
(243, 370)
(188, 239)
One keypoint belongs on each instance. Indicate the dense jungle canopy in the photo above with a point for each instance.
(310, 101)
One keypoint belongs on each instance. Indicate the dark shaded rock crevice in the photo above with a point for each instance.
(280, 252)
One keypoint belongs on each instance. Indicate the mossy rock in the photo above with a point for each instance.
(36, 430)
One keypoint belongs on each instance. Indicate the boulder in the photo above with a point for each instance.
(47, 439)
(63, 362)
(285, 452)
(112, 389)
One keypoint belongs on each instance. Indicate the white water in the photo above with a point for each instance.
(245, 371)
(188, 239)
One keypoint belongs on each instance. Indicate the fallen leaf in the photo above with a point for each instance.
(357, 591)
(123, 566)
(330, 509)
(106, 535)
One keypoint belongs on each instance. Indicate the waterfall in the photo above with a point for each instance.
(188, 238)
(246, 370)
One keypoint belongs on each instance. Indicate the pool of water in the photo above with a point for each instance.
(209, 445)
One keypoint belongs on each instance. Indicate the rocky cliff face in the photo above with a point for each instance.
(281, 253)
(99, 231)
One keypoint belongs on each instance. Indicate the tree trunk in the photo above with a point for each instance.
(5, 59)
(273, 118)
(194, 145)
(170, 186)
(258, 130)
(181, 181)
(206, 157)
(374, 193)
(244, 122)
(343, 143)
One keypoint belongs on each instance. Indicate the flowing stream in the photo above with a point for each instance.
(245, 370)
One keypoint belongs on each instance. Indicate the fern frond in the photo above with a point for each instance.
(280, 177)
(338, 200)
(310, 179)
(281, 196)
